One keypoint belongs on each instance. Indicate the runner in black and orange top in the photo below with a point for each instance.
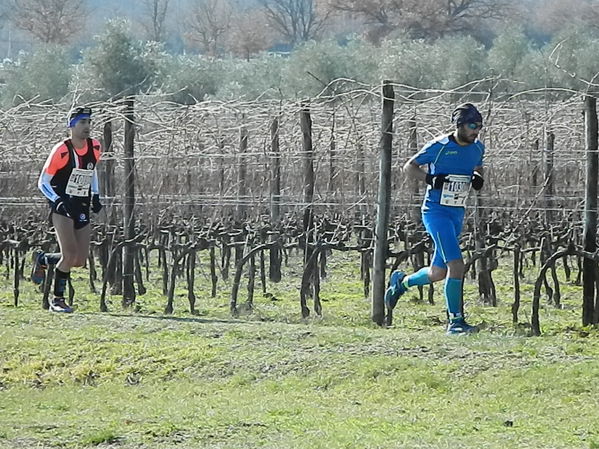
(69, 181)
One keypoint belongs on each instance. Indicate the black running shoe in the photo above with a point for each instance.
(38, 269)
(59, 305)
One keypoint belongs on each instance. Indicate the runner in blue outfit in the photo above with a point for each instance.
(449, 165)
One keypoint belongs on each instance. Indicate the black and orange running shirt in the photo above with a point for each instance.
(64, 163)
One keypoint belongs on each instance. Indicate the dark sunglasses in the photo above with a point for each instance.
(474, 126)
(81, 111)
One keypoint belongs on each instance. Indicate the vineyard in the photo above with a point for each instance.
(238, 190)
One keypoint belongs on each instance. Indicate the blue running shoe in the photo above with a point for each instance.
(38, 270)
(395, 289)
(460, 327)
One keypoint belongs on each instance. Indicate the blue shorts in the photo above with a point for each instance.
(444, 225)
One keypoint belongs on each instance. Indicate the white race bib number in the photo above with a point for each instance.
(455, 190)
(79, 182)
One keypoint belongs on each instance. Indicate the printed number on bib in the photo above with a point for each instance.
(455, 190)
(79, 182)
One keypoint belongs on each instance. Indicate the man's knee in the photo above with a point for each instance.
(437, 273)
(455, 268)
(72, 257)
(80, 260)
(68, 259)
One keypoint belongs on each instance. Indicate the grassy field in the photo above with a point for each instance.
(269, 379)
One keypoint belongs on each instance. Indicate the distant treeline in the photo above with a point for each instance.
(118, 64)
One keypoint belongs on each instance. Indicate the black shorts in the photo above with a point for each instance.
(80, 210)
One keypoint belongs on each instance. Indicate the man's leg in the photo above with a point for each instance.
(67, 240)
(447, 242)
(437, 271)
(445, 234)
(453, 288)
(399, 283)
(83, 236)
(40, 261)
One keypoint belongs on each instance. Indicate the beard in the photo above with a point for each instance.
(465, 137)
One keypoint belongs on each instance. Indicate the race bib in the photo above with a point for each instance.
(455, 190)
(79, 182)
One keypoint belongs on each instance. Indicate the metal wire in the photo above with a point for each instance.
(190, 155)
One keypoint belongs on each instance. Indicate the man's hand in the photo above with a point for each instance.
(96, 205)
(62, 206)
(436, 181)
(477, 181)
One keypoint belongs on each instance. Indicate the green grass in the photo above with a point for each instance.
(270, 379)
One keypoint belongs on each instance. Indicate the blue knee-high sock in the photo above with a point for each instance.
(418, 278)
(453, 297)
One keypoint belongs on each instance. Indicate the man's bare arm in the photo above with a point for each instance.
(412, 170)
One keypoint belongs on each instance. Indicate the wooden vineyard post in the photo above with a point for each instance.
(383, 204)
(242, 180)
(129, 206)
(535, 168)
(590, 211)
(516, 303)
(414, 185)
(275, 180)
(332, 182)
(548, 191)
(308, 219)
(107, 166)
(359, 180)
(306, 126)
(221, 170)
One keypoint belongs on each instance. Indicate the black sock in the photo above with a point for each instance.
(60, 283)
(51, 258)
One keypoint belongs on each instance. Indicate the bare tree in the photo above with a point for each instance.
(208, 25)
(154, 18)
(3, 14)
(552, 16)
(249, 34)
(296, 20)
(384, 13)
(425, 18)
(50, 21)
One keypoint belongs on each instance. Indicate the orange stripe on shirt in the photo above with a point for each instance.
(59, 156)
